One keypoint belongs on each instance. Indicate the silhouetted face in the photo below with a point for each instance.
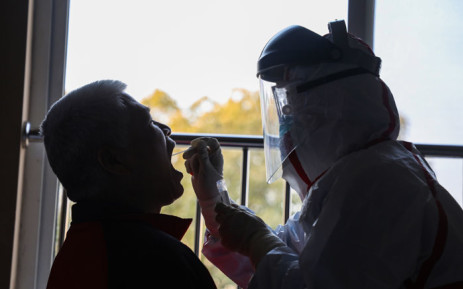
(155, 181)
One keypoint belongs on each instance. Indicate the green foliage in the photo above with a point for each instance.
(162, 106)
(239, 115)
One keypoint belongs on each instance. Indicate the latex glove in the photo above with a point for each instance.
(204, 161)
(246, 233)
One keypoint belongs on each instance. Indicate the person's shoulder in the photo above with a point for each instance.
(146, 253)
(144, 236)
(384, 160)
(385, 173)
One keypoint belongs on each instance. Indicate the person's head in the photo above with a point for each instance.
(322, 99)
(104, 147)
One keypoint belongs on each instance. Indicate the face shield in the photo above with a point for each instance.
(277, 121)
(298, 55)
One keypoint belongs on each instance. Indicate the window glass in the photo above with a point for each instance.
(449, 172)
(188, 50)
(420, 42)
(194, 64)
(420, 48)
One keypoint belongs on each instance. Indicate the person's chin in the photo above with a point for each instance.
(175, 192)
(178, 191)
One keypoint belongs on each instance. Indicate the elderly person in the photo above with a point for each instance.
(114, 161)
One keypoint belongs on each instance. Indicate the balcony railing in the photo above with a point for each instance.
(245, 143)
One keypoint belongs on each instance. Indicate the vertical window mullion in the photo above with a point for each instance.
(287, 201)
(361, 20)
(245, 177)
(197, 229)
(62, 221)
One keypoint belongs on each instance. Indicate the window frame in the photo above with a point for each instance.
(44, 84)
(45, 71)
(37, 201)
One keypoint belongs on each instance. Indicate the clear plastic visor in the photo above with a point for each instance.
(277, 120)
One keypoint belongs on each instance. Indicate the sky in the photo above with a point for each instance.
(191, 49)
(421, 50)
(420, 43)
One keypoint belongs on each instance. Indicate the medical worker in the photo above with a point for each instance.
(373, 214)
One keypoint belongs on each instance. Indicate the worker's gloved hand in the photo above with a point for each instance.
(246, 233)
(204, 161)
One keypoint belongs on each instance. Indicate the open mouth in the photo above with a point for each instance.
(177, 174)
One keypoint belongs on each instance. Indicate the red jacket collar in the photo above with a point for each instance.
(92, 212)
(172, 225)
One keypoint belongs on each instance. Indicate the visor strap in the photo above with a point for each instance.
(332, 77)
(299, 169)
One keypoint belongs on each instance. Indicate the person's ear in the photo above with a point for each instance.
(113, 160)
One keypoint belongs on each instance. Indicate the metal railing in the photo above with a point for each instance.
(245, 142)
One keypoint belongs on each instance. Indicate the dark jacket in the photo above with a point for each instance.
(107, 249)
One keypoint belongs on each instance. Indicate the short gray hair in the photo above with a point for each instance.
(77, 126)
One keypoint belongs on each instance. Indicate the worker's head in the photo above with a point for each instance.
(104, 147)
(321, 99)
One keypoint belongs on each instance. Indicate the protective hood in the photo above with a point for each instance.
(292, 64)
(321, 98)
(337, 118)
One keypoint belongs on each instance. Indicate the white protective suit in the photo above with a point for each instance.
(375, 216)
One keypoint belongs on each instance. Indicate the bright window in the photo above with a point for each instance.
(420, 43)
(188, 49)
(196, 60)
(194, 63)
